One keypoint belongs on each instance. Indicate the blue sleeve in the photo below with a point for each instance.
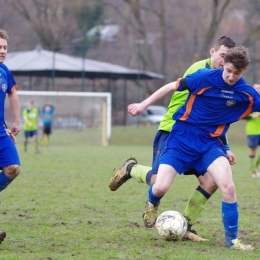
(10, 79)
(193, 82)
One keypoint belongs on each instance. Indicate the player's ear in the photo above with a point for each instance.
(211, 51)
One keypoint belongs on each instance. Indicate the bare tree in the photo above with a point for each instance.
(217, 13)
(50, 20)
(136, 18)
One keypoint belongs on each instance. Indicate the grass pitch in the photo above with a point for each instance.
(60, 207)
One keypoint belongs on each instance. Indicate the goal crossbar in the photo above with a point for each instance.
(106, 108)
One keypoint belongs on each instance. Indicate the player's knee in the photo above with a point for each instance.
(231, 188)
(160, 190)
(12, 171)
(153, 179)
(228, 191)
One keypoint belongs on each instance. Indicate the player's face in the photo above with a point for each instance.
(217, 57)
(230, 74)
(3, 50)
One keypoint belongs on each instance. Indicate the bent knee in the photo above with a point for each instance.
(12, 171)
(160, 191)
(153, 179)
(229, 190)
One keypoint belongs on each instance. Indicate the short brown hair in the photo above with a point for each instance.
(238, 56)
(3, 34)
(224, 40)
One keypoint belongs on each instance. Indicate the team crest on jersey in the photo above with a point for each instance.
(4, 87)
(231, 102)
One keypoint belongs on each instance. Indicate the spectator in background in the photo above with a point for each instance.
(253, 138)
(30, 126)
(47, 117)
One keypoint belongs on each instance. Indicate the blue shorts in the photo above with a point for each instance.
(8, 152)
(32, 133)
(189, 147)
(253, 140)
(158, 148)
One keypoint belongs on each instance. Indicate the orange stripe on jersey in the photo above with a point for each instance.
(203, 90)
(219, 131)
(14, 88)
(190, 104)
(188, 107)
(249, 109)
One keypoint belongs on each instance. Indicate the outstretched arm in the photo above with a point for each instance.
(137, 108)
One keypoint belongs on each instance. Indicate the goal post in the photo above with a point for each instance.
(73, 110)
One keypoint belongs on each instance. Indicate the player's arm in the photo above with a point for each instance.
(15, 106)
(137, 108)
(230, 156)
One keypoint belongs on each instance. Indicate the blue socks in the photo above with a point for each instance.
(152, 198)
(148, 177)
(230, 221)
(4, 181)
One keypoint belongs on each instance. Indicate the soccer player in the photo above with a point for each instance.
(47, 117)
(9, 158)
(216, 99)
(30, 126)
(145, 174)
(253, 138)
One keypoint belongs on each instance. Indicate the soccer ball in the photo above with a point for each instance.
(171, 225)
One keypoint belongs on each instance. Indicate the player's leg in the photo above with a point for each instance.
(48, 133)
(26, 137)
(8, 156)
(165, 176)
(199, 197)
(257, 163)
(43, 139)
(9, 162)
(221, 172)
(143, 174)
(252, 143)
(35, 138)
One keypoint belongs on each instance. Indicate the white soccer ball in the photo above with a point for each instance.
(171, 225)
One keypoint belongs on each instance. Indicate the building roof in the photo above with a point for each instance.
(40, 62)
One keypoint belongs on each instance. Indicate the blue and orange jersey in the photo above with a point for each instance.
(7, 85)
(212, 105)
(11, 84)
(179, 97)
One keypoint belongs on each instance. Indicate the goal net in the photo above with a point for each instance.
(88, 112)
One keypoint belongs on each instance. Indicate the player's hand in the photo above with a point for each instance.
(231, 157)
(255, 115)
(10, 133)
(15, 128)
(136, 109)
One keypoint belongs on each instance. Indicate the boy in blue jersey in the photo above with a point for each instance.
(145, 174)
(9, 158)
(216, 99)
(47, 118)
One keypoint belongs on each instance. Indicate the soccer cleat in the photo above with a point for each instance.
(193, 237)
(122, 175)
(239, 246)
(150, 215)
(2, 236)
